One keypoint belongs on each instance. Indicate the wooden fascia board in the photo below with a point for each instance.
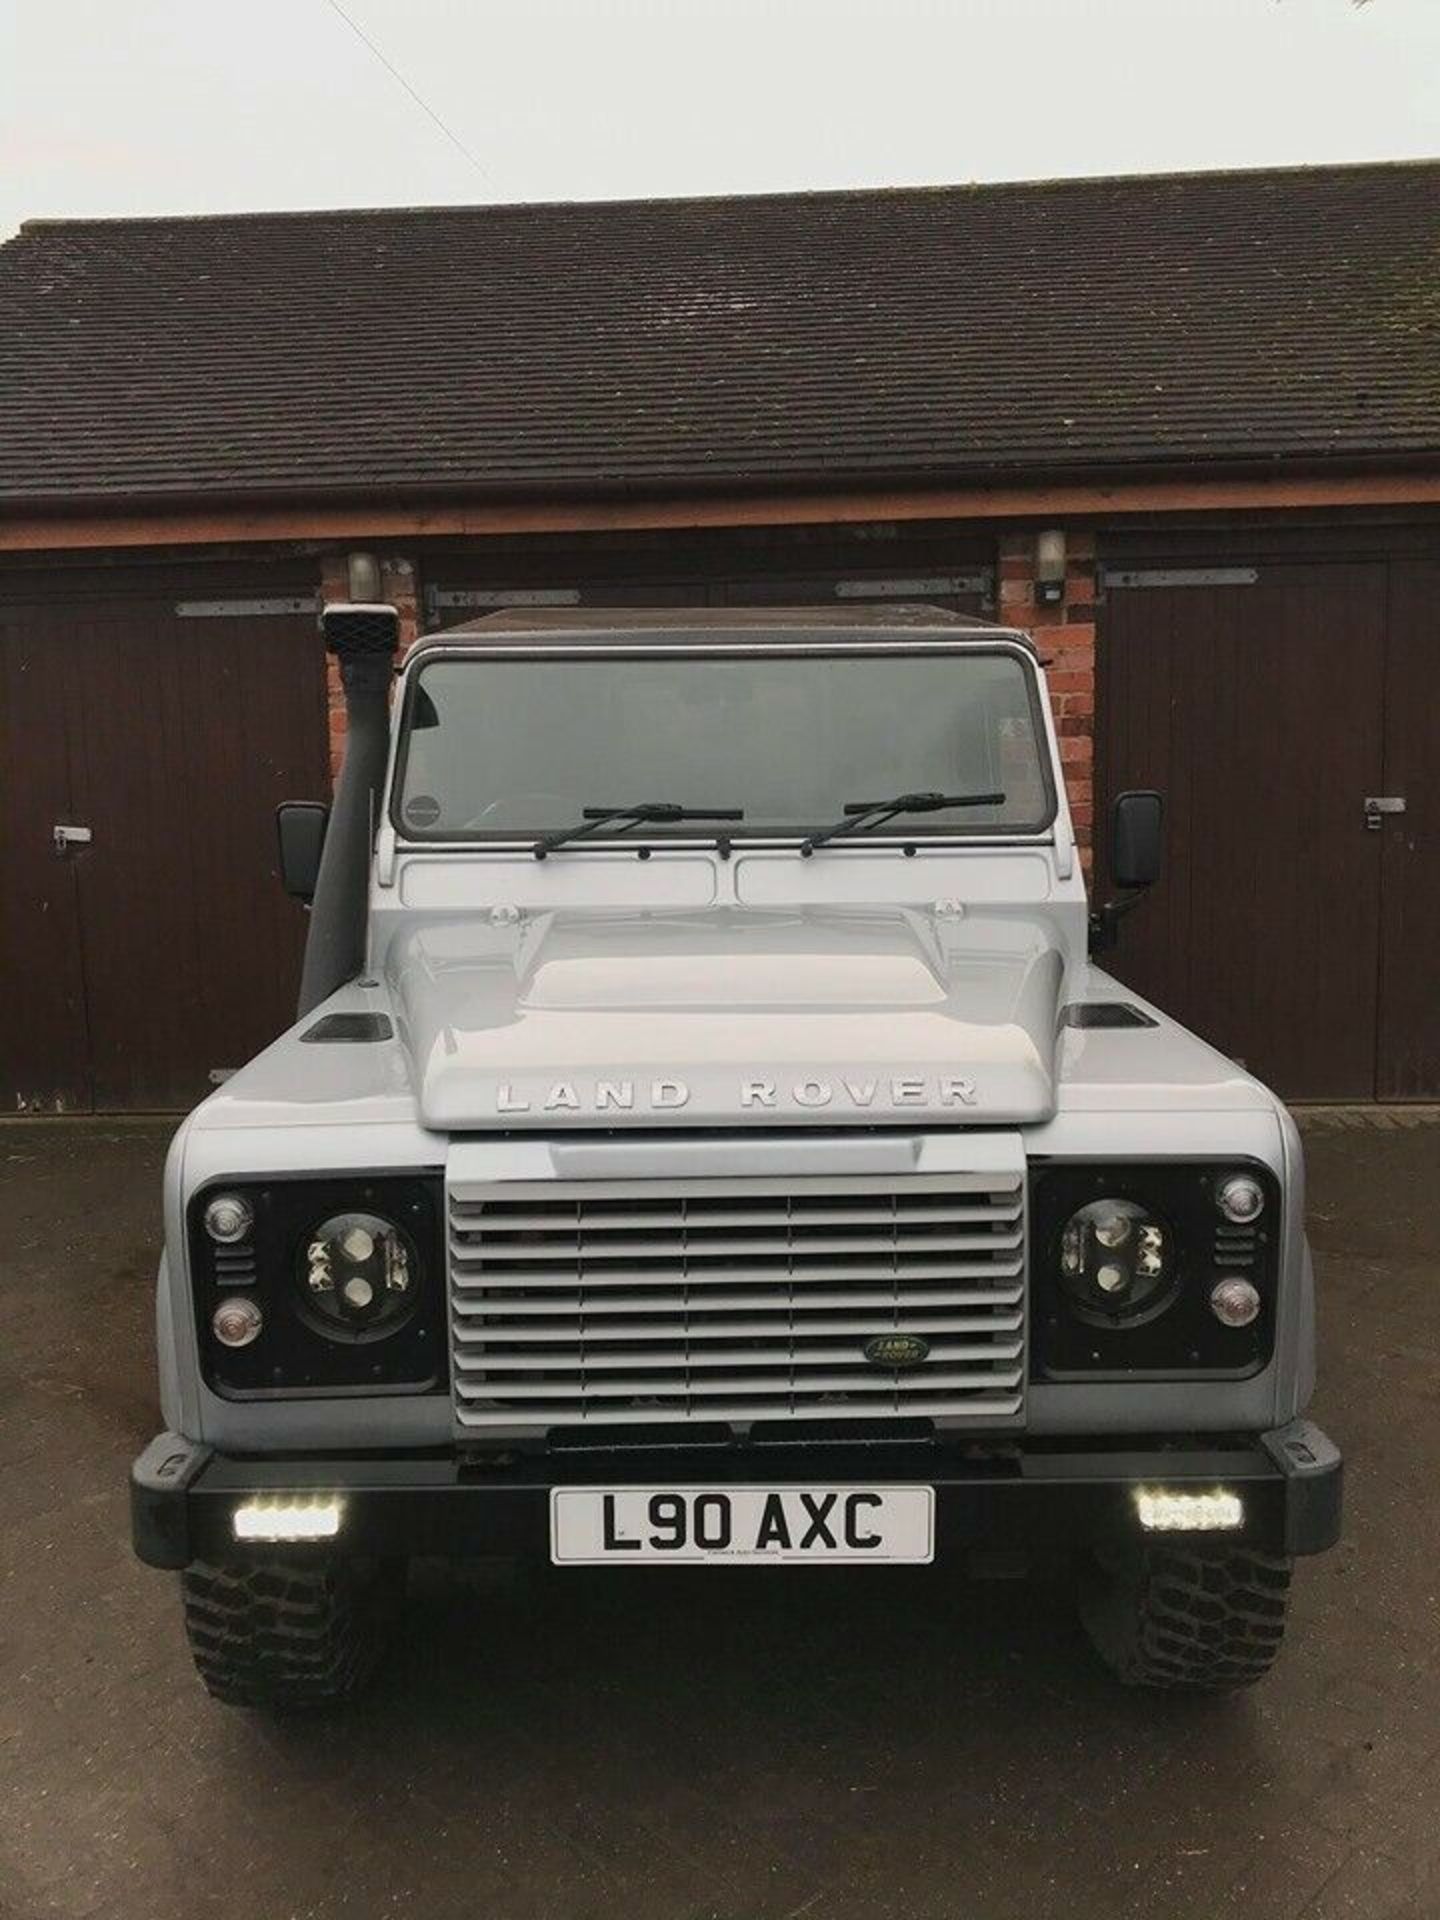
(239, 525)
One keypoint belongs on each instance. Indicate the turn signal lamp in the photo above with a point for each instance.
(236, 1322)
(1241, 1199)
(228, 1218)
(1234, 1302)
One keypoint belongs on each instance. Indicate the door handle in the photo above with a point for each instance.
(1378, 805)
(66, 837)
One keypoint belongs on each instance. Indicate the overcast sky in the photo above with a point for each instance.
(197, 106)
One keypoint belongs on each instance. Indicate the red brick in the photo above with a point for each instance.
(1075, 751)
(1077, 699)
(397, 586)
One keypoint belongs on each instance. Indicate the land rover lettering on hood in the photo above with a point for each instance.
(710, 1137)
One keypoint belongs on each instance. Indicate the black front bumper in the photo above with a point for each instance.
(1037, 1494)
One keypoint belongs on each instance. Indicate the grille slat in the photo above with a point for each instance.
(772, 1380)
(501, 1360)
(672, 1300)
(487, 1277)
(530, 1333)
(495, 1299)
(478, 1221)
(498, 1251)
(828, 1407)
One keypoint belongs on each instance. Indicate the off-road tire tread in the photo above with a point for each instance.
(286, 1635)
(1205, 1618)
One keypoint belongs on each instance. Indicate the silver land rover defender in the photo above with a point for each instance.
(707, 1141)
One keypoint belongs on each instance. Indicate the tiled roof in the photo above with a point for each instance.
(908, 337)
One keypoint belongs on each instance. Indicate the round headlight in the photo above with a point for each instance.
(358, 1274)
(1117, 1261)
(228, 1218)
(1240, 1198)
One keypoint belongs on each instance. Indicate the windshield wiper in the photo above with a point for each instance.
(661, 812)
(873, 813)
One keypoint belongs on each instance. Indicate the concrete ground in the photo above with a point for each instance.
(719, 1744)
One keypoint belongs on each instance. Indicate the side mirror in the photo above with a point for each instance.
(1136, 839)
(300, 826)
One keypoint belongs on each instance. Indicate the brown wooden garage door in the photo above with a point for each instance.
(134, 966)
(1268, 702)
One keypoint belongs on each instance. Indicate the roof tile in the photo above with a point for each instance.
(908, 337)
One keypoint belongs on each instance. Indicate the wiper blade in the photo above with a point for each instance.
(661, 812)
(873, 813)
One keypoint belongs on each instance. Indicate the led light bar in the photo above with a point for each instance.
(1164, 1511)
(278, 1520)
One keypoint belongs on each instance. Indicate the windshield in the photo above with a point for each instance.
(505, 748)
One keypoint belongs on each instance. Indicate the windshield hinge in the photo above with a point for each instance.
(385, 856)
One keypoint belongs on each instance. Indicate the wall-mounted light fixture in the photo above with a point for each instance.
(363, 570)
(1050, 567)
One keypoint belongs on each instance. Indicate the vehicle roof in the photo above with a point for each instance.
(588, 626)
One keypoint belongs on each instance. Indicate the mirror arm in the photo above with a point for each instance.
(1105, 919)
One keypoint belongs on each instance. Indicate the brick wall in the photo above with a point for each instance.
(398, 588)
(1065, 634)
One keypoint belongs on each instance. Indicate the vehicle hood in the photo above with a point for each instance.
(728, 1018)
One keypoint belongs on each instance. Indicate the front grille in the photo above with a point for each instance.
(625, 1302)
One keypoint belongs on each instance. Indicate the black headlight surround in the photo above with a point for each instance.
(293, 1357)
(1180, 1339)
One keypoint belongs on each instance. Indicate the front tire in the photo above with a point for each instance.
(289, 1633)
(1205, 1618)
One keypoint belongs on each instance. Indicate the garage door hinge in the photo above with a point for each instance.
(504, 597)
(918, 586)
(1181, 577)
(244, 609)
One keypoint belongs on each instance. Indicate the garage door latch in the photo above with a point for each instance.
(71, 837)
(1378, 805)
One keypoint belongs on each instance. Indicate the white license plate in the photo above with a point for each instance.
(741, 1526)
